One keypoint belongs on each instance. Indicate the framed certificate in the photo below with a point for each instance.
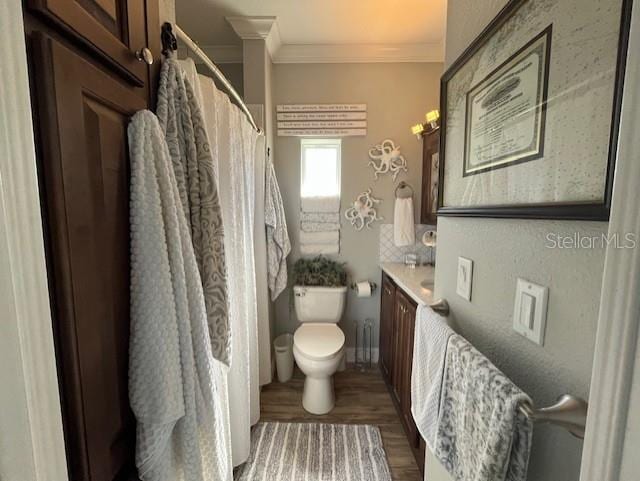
(505, 112)
(531, 110)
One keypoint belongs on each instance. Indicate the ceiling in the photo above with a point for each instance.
(334, 28)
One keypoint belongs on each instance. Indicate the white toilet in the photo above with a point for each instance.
(318, 344)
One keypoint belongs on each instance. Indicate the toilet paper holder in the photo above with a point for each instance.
(373, 285)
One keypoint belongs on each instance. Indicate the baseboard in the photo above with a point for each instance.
(351, 355)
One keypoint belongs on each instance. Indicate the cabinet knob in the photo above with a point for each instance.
(144, 55)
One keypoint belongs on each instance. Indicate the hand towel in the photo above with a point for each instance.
(320, 237)
(319, 226)
(278, 244)
(183, 125)
(317, 249)
(320, 217)
(404, 233)
(482, 435)
(429, 349)
(172, 389)
(320, 204)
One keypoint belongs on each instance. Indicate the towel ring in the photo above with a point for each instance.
(403, 185)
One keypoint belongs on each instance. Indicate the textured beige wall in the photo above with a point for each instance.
(503, 250)
(397, 96)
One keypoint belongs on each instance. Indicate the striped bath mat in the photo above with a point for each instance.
(315, 452)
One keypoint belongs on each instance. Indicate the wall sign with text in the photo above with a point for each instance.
(321, 120)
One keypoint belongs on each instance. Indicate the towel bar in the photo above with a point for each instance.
(441, 306)
(570, 412)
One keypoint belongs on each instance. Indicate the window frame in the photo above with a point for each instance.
(315, 142)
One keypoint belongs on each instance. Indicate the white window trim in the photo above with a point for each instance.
(319, 142)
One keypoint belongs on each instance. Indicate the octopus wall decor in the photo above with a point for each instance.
(363, 212)
(391, 160)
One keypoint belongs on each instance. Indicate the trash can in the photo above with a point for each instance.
(283, 346)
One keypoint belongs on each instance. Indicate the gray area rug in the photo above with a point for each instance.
(315, 452)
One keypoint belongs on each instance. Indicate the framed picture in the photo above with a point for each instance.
(530, 113)
(430, 177)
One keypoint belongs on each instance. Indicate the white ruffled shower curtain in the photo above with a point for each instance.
(234, 144)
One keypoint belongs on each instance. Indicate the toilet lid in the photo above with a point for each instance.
(318, 340)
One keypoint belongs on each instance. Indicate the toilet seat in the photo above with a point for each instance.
(318, 341)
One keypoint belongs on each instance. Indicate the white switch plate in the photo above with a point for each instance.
(530, 311)
(465, 278)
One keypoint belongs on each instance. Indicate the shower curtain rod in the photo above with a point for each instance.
(191, 45)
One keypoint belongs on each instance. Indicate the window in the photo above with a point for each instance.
(320, 167)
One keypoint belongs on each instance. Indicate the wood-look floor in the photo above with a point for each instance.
(361, 398)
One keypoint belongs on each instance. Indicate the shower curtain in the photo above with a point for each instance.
(234, 144)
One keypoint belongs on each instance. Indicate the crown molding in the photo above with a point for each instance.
(266, 28)
(360, 53)
(258, 28)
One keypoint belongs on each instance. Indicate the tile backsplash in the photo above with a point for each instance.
(389, 252)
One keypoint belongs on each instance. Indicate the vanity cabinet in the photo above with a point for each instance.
(397, 323)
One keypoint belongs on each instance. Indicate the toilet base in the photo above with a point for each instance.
(318, 397)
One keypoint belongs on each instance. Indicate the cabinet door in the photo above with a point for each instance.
(113, 29)
(399, 333)
(83, 114)
(387, 300)
(405, 396)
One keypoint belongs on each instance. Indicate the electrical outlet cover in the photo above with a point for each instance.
(465, 278)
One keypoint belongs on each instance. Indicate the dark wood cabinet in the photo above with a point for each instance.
(113, 29)
(397, 325)
(430, 169)
(85, 86)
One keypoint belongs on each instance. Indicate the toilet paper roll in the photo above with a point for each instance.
(363, 289)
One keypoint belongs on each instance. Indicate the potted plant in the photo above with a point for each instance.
(319, 272)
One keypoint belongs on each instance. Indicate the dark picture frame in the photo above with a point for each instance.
(565, 210)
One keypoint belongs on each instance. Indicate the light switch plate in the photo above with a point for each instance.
(530, 310)
(465, 278)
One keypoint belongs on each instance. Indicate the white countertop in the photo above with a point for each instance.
(409, 279)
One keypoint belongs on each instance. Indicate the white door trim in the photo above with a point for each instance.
(617, 338)
(32, 443)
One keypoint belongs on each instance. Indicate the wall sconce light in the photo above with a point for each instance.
(417, 130)
(432, 118)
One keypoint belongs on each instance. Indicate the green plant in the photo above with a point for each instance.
(319, 271)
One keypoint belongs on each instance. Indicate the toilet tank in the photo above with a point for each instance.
(319, 304)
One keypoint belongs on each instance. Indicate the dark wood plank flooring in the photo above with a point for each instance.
(361, 398)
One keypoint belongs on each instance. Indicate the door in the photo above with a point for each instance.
(83, 113)
(387, 300)
(113, 29)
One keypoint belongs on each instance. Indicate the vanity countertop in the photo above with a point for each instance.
(409, 279)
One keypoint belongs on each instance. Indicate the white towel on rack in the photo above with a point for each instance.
(320, 217)
(429, 350)
(404, 232)
(320, 204)
(172, 385)
(332, 237)
(319, 226)
(482, 435)
(317, 249)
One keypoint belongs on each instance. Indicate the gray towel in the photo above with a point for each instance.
(185, 132)
(278, 244)
(482, 435)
